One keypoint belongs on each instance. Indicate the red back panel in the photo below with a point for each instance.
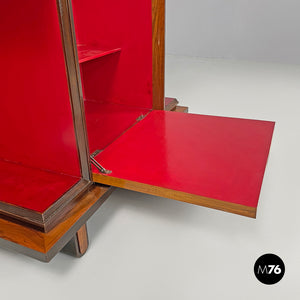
(36, 125)
(124, 77)
(107, 121)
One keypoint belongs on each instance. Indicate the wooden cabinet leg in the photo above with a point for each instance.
(183, 109)
(78, 245)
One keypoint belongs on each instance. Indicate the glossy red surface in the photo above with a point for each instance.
(30, 188)
(107, 121)
(124, 77)
(215, 157)
(36, 125)
(90, 52)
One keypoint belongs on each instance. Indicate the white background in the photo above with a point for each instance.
(264, 30)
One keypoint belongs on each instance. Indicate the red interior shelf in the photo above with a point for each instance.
(32, 188)
(90, 52)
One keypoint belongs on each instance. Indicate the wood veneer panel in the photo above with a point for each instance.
(44, 246)
(213, 161)
(158, 53)
(177, 195)
(65, 13)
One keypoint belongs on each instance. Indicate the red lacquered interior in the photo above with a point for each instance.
(114, 42)
(215, 157)
(31, 188)
(36, 125)
(124, 77)
(107, 121)
(91, 52)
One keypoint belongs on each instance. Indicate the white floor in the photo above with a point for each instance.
(146, 248)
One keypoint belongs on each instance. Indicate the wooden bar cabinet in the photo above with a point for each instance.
(83, 110)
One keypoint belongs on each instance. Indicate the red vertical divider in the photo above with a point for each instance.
(36, 125)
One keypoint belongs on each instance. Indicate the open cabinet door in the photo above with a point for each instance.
(216, 162)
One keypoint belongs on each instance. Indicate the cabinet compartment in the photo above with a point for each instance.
(41, 173)
(122, 25)
(211, 161)
(114, 44)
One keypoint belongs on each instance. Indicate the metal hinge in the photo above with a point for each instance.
(140, 118)
(96, 164)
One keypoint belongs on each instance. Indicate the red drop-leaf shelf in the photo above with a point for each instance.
(90, 52)
(212, 161)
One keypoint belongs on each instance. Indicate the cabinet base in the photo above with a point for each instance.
(44, 246)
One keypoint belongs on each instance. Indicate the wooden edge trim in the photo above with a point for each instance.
(176, 195)
(75, 219)
(20, 214)
(50, 217)
(158, 54)
(57, 211)
(44, 246)
(65, 14)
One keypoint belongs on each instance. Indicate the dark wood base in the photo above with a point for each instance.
(71, 230)
(50, 217)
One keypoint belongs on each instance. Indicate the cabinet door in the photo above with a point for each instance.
(216, 162)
